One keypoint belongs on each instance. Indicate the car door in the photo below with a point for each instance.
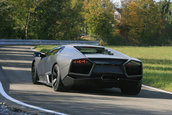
(50, 60)
(41, 66)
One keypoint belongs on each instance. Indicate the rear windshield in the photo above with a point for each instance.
(93, 50)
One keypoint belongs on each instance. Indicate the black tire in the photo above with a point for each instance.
(56, 79)
(134, 90)
(35, 77)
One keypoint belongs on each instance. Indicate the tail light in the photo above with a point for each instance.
(80, 62)
(133, 68)
(82, 66)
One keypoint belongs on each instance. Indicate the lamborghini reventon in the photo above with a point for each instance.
(67, 66)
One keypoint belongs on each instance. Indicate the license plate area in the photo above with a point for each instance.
(107, 69)
(107, 77)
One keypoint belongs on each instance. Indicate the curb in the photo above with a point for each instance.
(3, 100)
(157, 89)
(5, 95)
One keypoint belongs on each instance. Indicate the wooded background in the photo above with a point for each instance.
(136, 22)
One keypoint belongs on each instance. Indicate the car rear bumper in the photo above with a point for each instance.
(99, 83)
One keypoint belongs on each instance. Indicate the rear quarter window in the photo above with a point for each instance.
(93, 50)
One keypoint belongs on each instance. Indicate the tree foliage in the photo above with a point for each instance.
(139, 22)
(20, 14)
(5, 23)
(41, 19)
(99, 17)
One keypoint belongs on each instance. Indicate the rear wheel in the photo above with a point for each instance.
(56, 79)
(134, 90)
(34, 74)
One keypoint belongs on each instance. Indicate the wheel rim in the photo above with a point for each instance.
(54, 77)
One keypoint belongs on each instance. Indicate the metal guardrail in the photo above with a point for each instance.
(44, 42)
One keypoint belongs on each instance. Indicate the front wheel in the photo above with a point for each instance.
(134, 90)
(34, 74)
(56, 79)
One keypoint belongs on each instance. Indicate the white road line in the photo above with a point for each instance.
(156, 89)
(4, 94)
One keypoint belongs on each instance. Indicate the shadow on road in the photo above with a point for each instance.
(9, 59)
(110, 92)
(145, 93)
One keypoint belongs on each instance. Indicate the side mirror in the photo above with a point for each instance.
(39, 54)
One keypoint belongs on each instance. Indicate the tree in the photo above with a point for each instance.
(99, 17)
(21, 15)
(4, 6)
(165, 6)
(71, 20)
(131, 24)
(58, 19)
(5, 21)
(141, 22)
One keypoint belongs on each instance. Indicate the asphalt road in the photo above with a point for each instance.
(15, 62)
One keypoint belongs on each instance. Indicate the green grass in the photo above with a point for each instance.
(45, 48)
(157, 63)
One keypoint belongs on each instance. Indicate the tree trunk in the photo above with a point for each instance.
(27, 26)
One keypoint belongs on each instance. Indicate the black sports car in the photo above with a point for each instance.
(86, 65)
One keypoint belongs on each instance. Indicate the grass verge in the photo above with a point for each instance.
(157, 63)
(44, 48)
